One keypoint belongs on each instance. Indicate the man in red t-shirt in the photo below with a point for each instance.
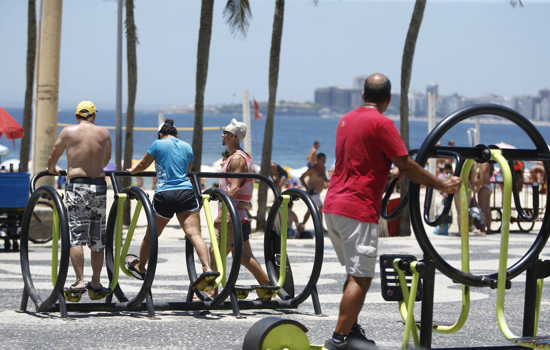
(367, 143)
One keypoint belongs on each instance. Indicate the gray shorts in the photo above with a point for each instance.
(355, 243)
(86, 205)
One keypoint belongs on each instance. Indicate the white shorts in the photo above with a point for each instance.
(355, 243)
(317, 199)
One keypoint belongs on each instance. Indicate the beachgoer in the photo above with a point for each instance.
(518, 172)
(173, 195)
(241, 192)
(443, 229)
(61, 182)
(88, 152)
(450, 160)
(366, 145)
(292, 219)
(278, 175)
(440, 162)
(316, 182)
(483, 189)
(537, 174)
(312, 155)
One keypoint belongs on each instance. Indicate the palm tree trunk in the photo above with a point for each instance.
(406, 71)
(27, 110)
(273, 81)
(203, 52)
(131, 42)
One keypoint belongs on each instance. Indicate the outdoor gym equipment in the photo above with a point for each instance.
(116, 250)
(406, 280)
(275, 253)
(501, 280)
(189, 305)
(60, 254)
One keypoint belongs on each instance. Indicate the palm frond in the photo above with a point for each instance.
(237, 15)
(515, 2)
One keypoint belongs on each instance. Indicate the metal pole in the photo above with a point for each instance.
(47, 94)
(161, 118)
(246, 120)
(431, 125)
(35, 92)
(478, 132)
(118, 150)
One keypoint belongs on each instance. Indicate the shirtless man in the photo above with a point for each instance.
(316, 183)
(484, 189)
(312, 155)
(278, 175)
(88, 152)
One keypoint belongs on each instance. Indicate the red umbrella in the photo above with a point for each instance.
(9, 126)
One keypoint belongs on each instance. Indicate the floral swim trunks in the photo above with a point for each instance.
(87, 207)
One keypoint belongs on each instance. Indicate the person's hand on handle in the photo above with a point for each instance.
(451, 184)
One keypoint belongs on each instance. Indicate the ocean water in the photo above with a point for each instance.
(293, 135)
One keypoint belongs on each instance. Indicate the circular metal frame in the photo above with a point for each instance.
(40, 222)
(43, 192)
(133, 193)
(416, 217)
(271, 236)
(217, 194)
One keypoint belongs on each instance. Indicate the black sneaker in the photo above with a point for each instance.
(358, 340)
(332, 345)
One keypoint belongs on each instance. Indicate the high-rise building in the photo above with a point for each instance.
(322, 97)
(359, 82)
(545, 109)
(338, 97)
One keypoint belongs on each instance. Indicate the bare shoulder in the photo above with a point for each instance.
(101, 129)
(237, 164)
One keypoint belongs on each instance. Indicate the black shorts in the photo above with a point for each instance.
(167, 203)
(282, 172)
(247, 230)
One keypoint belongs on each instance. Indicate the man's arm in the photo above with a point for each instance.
(57, 151)
(416, 173)
(237, 165)
(107, 155)
(303, 181)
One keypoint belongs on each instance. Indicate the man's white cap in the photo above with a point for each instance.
(237, 128)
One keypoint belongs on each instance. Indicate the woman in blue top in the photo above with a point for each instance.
(173, 195)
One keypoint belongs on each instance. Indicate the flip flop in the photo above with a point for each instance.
(206, 281)
(72, 289)
(101, 290)
(132, 268)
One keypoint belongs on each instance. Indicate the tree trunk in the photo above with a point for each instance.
(131, 42)
(27, 110)
(47, 87)
(273, 81)
(406, 70)
(203, 53)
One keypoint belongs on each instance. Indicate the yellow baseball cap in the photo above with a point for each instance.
(85, 109)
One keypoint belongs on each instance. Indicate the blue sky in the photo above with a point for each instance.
(467, 47)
